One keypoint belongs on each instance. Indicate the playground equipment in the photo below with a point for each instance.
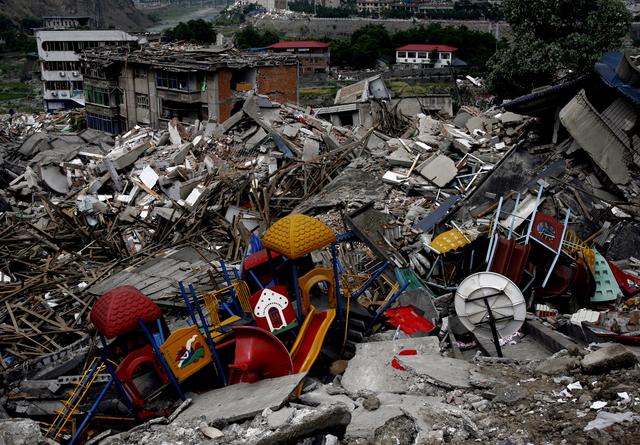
(125, 311)
(270, 333)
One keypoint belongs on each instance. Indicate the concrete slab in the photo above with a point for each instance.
(35, 143)
(441, 371)
(400, 157)
(257, 137)
(174, 134)
(461, 119)
(371, 371)
(364, 423)
(510, 118)
(310, 150)
(439, 169)
(290, 131)
(241, 401)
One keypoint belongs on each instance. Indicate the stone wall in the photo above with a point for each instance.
(314, 27)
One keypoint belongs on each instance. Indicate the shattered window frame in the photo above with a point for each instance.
(172, 81)
(142, 101)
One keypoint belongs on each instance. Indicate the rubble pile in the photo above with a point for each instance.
(479, 271)
(78, 200)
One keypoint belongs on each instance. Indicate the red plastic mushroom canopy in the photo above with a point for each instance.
(118, 311)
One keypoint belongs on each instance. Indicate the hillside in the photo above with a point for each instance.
(120, 14)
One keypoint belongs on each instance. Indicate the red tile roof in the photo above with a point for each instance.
(299, 44)
(421, 47)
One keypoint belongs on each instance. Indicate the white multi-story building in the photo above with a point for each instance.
(59, 53)
(437, 56)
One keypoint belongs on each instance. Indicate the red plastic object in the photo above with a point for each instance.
(309, 339)
(628, 283)
(258, 258)
(408, 352)
(259, 355)
(510, 259)
(117, 312)
(397, 365)
(131, 363)
(547, 230)
(408, 319)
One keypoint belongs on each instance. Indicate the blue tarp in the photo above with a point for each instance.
(606, 69)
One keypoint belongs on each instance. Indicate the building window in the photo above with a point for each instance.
(61, 66)
(142, 101)
(174, 81)
(411, 55)
(140, 72)
(445, 56)
(96, 95)
(104, 123)
(422, 55)
(56, 85)
(402, 54)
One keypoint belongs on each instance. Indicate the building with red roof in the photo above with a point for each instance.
(425, 54)
(313, 56)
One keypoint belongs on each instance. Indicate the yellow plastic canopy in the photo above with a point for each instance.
(296, 235)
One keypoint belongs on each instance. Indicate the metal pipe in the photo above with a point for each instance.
(91, 412)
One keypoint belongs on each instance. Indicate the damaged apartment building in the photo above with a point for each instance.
(155, 84)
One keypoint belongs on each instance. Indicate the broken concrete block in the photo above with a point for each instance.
(174, 134)
(430, 140)
(475, 123)
(181, 153)
(439, 169)
(558, 365)
(428, 125)
(610, 357)
(290, 131)
(281, 417)
(510, 118)
(149, 177)
(394, 178)
(400, 157)
(320, 397)
(441, 371)
(371, 371)
(209, 431)
(123, 157)
(20, 432)
(310, 150)
(241, 401)
(35, 143)
(464, 145)
(461, 119)
(195, 196)
(257, 137)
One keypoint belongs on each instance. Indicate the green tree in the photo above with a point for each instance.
(553, 38)
(250, 37)
(196, 31)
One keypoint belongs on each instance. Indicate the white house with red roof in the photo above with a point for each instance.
(425, 54)
(313, 55)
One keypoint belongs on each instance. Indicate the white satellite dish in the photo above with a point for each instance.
(505, 299)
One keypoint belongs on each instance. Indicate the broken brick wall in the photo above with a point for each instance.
(279, 83)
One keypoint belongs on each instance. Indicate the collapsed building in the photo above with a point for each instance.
(477, 271)
(155, 84)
